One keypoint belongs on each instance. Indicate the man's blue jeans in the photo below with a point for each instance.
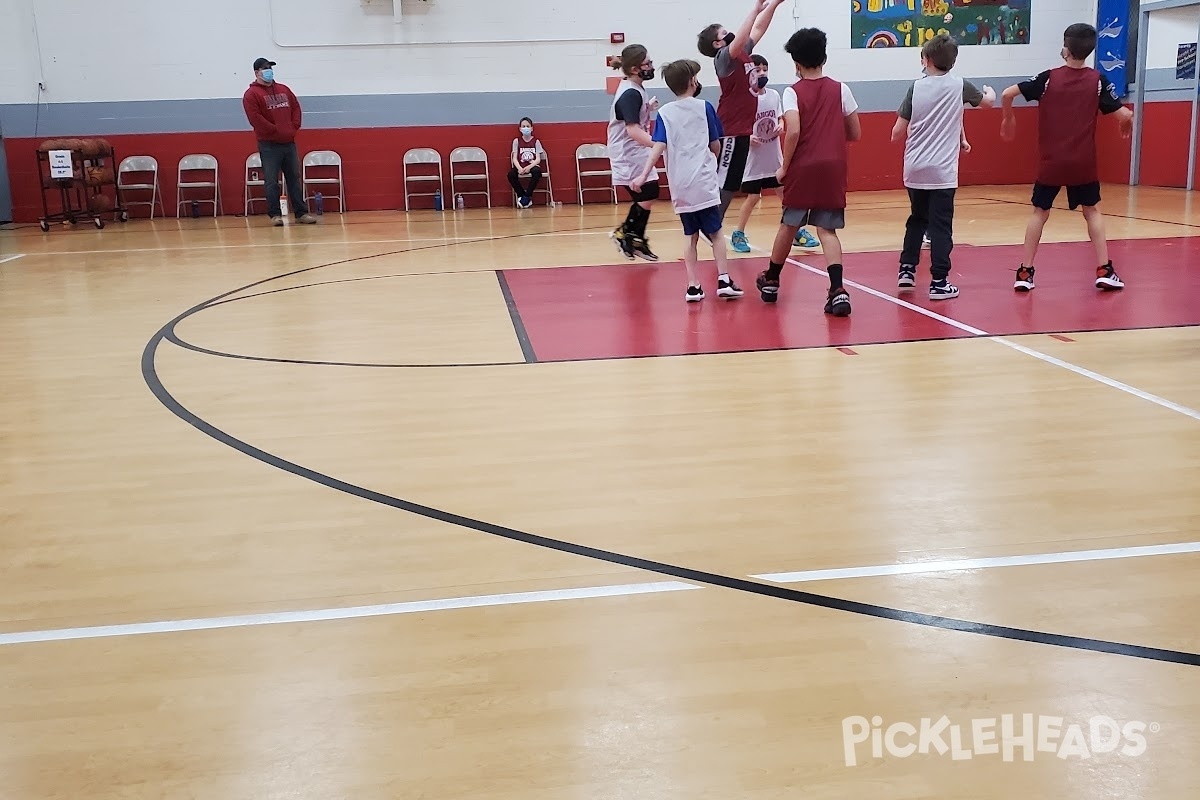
(278, 157)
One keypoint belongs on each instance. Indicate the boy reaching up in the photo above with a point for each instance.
(1068, 99)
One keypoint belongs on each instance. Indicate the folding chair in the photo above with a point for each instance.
(319, 159)
(424, 155)
(593, 152)
(199, 162)
(140, 164)
(470, 155)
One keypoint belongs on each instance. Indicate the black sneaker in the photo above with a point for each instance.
(641, 249)
(768, 287)
(908, 276)
(942, 290)
(1107, 279)
(694, 294)
(1024, 279)
(839, 303)
(623, 241)
(727, 288)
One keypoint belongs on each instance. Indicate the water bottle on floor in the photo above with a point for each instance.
(319, 201)
(283, 209)
(459, 203)
(437, 201)
(195, 210)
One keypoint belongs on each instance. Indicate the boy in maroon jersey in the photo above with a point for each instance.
(738, 107)
(1068, 99)
(820, 118)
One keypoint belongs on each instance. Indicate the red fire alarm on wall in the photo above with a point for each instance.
(617, 38)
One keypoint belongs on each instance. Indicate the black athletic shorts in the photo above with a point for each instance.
(650, 191)
(1087, 194)
(731, 163)
(756, 187)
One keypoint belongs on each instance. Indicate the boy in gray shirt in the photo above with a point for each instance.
(931, 119)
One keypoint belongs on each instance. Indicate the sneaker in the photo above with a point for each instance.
(908, 276)
(277, 221)
(739, 243)
(768, 287)
(839, 303)
(694, 294)
(1106, 278)
(307, 219)
(623, 242)
(1024, 279)
(942, 290)
(727, 288)
(806, 240)
(641, 249)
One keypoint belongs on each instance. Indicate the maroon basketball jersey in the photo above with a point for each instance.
(816, 178)
(738, 106)
(1067, 112)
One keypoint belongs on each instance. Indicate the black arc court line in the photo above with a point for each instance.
(160, 392)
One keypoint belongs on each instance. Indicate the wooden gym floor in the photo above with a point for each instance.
(461, 507)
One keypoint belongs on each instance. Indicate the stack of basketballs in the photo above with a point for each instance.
(94, 169)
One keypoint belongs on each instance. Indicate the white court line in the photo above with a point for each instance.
(338, 243)
(1058, 362)
(6, 259)
(922, 567)
(323, 614)
(591, 592)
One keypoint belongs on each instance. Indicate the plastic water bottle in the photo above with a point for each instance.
(459, 203)
(437, 201)
(319, 201)
(195, 210)
(283, 209)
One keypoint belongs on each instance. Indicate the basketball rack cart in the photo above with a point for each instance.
(79, 171)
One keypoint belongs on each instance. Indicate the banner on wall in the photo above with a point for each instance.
(1112, 46)
(911, 23)
(1185, 62)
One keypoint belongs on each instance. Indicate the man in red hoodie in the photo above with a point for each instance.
(274, 113)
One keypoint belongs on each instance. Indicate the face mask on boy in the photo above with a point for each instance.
(526, 130)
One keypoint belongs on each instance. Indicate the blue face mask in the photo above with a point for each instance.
(527, 131)
(268, 75)
(762, 81)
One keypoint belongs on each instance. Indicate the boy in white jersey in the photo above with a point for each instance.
(765, 157)
(628, 142)
(931, 119)
(690, 133)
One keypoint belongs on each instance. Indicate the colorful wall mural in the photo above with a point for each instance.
(911, 23)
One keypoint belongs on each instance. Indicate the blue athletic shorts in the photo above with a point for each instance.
(706, 221)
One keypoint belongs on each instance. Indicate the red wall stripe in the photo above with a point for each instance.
(374, 173)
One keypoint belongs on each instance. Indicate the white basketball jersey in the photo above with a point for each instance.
(627, 156)
(765, 159)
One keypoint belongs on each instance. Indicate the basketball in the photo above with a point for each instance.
(99, 176)
(100, 203)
